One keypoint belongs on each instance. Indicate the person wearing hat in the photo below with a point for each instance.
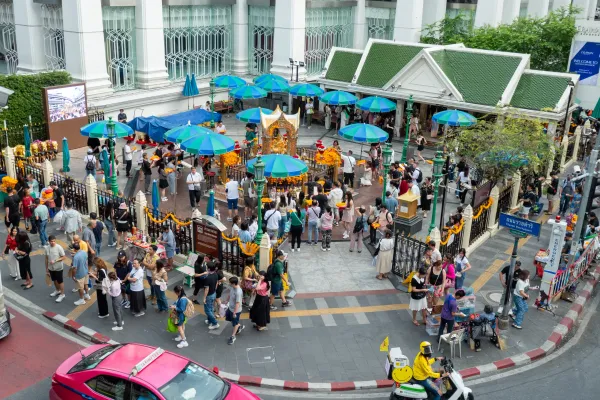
(124, 222)
(277, 280)
(422, 371)
(505, 281)
(89, 161)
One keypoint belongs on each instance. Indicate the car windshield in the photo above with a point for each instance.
(195, 382)
(94, 359)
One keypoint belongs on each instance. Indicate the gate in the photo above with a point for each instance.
(407, 254)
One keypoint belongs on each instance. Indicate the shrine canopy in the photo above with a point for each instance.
(267, 120)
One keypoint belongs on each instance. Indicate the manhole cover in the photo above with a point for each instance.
(495, 297)
(260, 355)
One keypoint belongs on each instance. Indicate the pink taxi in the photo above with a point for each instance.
(137, 371)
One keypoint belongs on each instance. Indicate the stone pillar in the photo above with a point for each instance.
(151, 71)
(264, 252)
(290, 36)
(433, 11)
(551, 131)
(240, 38)
(85, 54)
(91, 189)
(511, 11)
(489, 12)
(538, 8)
(30, 37)
(436, 236)
(516, 186)
(409, 21)
(47, 171)
(400, 105)
(561, 3)
(9, 162)
(495, 195)
(563, 157)
(551, 162)
(576, 144)
(468, 219)
(360, 25)
(140, 210)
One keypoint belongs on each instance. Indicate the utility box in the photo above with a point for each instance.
(395, 360)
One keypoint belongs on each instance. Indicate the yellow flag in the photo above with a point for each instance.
(385, 344)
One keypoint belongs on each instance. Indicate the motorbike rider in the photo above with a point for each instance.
(422, 371)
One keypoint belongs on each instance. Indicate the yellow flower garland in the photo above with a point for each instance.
(250, 249)
(169, 215)
(290, 180)
(329, 157)
(453, 231)
(483, 207)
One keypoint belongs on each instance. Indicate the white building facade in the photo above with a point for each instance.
(135, 54)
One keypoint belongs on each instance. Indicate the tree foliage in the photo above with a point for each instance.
(498, 149)
(547, 40)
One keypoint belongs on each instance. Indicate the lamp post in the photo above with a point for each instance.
(259, 178)
(112, 179)
(212, 102)
(409, 111)
(438, 165)
(387, 160)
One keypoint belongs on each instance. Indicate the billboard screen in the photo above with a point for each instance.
(67, 102)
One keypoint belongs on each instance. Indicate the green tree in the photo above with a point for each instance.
(499, 149)
(547, 39)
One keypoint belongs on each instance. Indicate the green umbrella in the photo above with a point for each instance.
(208, 144)
(596, 112)
(99, 129)
(66, 156)
(279, 166)
(27, 141)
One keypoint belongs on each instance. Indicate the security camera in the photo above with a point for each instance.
(4, 93)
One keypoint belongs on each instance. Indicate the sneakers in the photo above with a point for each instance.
(286, 304)
(60, 298)
(117, 328)
(322, 248)
(177, 338)
(122, 323)
(127, 305)
(86, 296)
(53, 294)
(231, 340)
(517, 326)
(229, 219)
(79, 302)
(273, 308)
(123, 302)
(139, 314)
(112, 245)
(298, 250)
(103, 316)
(206, 322)
(211, 327)
(242, 327)
(182, 344)
(328, 249)
(293, 250)
(74, 290)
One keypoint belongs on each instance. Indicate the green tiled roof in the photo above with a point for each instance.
(343, 66)
(480, 78)
(384, 61)
(536, 92)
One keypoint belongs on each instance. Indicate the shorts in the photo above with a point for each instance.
(81, 283)
(232, 204)
(248, 201)
(276, 288)
(550, 197)
(56, 276)
(375, 163)
(234, 318)
(170, 253)
(219, 291)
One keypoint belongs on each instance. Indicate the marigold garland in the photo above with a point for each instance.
(169, 215)
(290, 180)
(328, 157)
(453, 231)
(485, 206)
(250, 249)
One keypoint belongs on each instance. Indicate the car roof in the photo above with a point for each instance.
(157, 373)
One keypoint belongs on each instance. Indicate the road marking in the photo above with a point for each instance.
(487, 274)
(76, 313)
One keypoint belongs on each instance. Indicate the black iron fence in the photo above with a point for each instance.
(232, 257)
(407, 254)
(504, 200)
(105, 198)
(451, 243)
(245, 155)
(237, 172)
(16, 134)
(24, 169)
(95, 116)
(480, 224)
(183, 233)
(75, 192)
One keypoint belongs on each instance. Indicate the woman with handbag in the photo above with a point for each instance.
(384, 252)
(124, 224)
(9, 252)
(22, 254)
(114, 291)
(178, 316)
(123, 268)
(418, 292)
(138, 299)
(160, 279)
(448, 267)
(436, 279)
(101, 287)
(461, 266)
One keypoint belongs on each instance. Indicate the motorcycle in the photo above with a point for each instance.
(453, 387)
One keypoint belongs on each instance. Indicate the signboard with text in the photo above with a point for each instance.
(207, 239)
(521, 225)
(585, 61)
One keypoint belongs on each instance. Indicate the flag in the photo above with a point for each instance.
(384, 346)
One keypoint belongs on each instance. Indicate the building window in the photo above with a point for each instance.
(54, 38)
(9, 58)
(119, 39)
(326, 28)
(380, 22)
(198, 40)
(261, 27)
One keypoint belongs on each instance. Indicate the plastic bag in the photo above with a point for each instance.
(171, 327)
(59, 217)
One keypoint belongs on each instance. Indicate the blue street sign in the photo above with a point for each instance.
(522, 225)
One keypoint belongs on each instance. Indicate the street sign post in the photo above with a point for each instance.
(520, 224)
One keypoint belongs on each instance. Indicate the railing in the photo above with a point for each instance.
(565, 278)
(25, 169)
(245, 155)
(16, 134)
(2, 163)
(237, 172)
(96, 116)
(74, 191)
(504, 200)
(105, 198)
(232, 258)
(480, 221)
(407, 254)
(452, 240)
(183, 232)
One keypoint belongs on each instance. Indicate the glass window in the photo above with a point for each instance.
(195, 382)
(92, 360)
(139, 392)
(109, 386)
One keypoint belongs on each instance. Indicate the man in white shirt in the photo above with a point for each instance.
(348, 168)
(272, 218)
(335, 196)
(128, 158)
(233, 195)
(414, 189)
(89, 162)
(207, 106)
(194, 181)
(221, 128)
(416, 173)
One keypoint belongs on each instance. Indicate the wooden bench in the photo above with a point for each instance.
(319, 116)
(221, 106)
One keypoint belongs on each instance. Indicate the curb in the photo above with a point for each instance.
(561, 330)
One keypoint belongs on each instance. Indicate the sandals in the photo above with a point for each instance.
(27, 287)
(415, 322)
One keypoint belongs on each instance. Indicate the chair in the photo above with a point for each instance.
(453, 338)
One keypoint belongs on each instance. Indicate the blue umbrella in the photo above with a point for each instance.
(376, 104)
(454, 118)
(27, 141)
(99, 129)
(338, 97)
(364, 133)
(105, 163)
(279, 166)
(187, 87)
(269, 77)
(252, 114)
(194, 89)
(66, 155)
(273, 85)
(185, 132)
(229, 81)
(210, 206)
(155, 198)
(248, 92)
(306, 90)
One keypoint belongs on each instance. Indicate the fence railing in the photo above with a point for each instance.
(479, 224)
(237, 172)
(565, 278)
(504, 200)
(452, 240)
(183, 233)
(96, 116)
(25, 169)
(75, 192)
(16, 134)
(105, 198)
(232, 257)
(570, 147)
(407, 254)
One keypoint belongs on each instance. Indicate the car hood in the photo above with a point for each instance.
(66, 366)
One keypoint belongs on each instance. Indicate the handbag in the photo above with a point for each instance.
(162, 285)
(377, 250)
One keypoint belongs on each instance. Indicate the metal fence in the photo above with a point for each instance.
(95, 116)
(16, 134)
(407, 254)
(504, 200)
(183, 233)
(565, 278)
(232, 258)
(25, 169)
(75, 192)
(452, 244)
(570, 147)
(105, 198)
(479, 225)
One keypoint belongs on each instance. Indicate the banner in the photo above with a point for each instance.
(585, 61)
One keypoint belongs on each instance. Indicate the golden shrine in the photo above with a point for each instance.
(274, 140)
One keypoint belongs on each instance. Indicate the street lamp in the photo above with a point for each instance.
(297, 64)
(212, 102)
(259, 178)
(387, 160)
(438, 165)
(409, 111)
(112, 179)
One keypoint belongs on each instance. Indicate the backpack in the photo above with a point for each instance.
(189, 309)
(270, 273)
(359, 225)
(90, 165)
(420, 176)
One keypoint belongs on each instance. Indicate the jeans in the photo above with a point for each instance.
(194, 197)
(98, 247)
(42, 230)
(161, 299)
(429, 388)
(209, 309)
(564, 204)
(443, 324)
(282, 223)
(147, 182)
(459, 281)
(312, 226)
(91, 172)
(128, 167)
(152, 292)
(296, 232)
(110, 227)
(522, 308)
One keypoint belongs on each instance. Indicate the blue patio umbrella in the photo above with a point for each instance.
(252, 114)
(248, 92)
(208, 144)
(210, 206)
(194, 86)
(306, 90)
(376, 104)
(182, 133)
(155, 198)
(279, 166)
(364, 133)
(105, 163)
(187, 87)
(454, 118)
(273, 85)
(338, 97)
(268, 77)
(27, 137)
(66, 155)
(229, 81)
(99, 129)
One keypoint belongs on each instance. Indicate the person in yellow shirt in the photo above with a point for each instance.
(422, 370)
